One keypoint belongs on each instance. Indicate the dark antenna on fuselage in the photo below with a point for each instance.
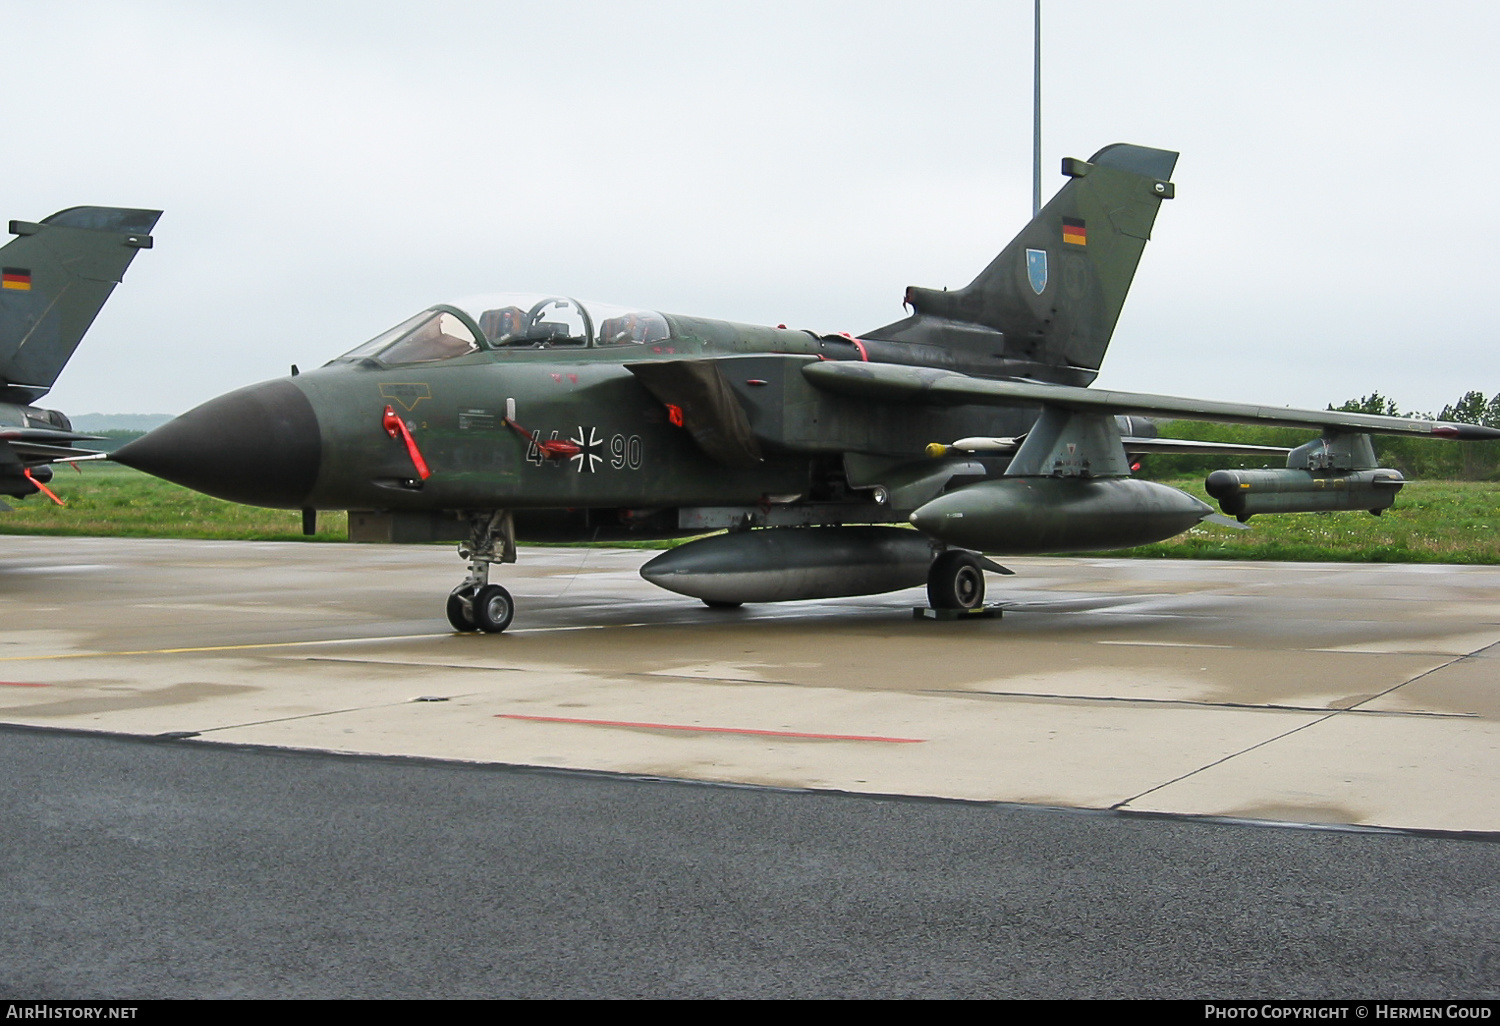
(1036, 111)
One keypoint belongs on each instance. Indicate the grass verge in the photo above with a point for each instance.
(106, 499)
(1433, 522)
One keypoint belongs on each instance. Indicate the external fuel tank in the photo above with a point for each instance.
(782, 564)
(1021, 515)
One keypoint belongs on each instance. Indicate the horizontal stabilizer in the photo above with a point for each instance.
(47, 436)
(34, 453)
(928, 386)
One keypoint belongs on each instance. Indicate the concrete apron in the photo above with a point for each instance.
(1310, 693)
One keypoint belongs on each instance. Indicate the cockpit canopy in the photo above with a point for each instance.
(510, 321)
(435, 334)
(532, 321)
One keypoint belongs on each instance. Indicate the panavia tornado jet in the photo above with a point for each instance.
(506, 417)
(56, 276)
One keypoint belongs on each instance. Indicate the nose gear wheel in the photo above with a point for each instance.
(493, 609)
(476, 604)
(955, 581)
(461, 611)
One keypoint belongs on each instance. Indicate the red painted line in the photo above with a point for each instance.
(19, 684)
(713, 730)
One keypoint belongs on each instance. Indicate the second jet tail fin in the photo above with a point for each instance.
(56, 276)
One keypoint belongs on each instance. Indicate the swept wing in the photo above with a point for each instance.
(890, 382)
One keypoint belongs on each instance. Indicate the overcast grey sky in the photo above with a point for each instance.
(329, 168)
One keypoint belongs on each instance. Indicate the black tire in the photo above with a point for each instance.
(716, 604)
(460, 617)
(955, 581)
(493, 609)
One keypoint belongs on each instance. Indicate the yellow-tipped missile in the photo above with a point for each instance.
(1004, 446)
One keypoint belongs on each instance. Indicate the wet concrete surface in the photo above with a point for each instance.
(1301, 692)
(367, 804)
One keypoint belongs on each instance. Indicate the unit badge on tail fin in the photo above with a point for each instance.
(1036, 269)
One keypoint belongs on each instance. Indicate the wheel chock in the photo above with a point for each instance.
(978, 613)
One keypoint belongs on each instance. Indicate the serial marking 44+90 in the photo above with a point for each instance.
(538, 417)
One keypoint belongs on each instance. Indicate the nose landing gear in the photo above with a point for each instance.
(461, 609)
(476, 604)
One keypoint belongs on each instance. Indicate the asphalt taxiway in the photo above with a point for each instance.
(1312, 693)
(134, 869)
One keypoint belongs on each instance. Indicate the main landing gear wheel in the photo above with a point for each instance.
(716, 604)
(493, 609)
(955, 581)
(461, 614)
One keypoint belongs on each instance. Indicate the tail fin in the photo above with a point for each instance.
(57, 275)
(1047, 305)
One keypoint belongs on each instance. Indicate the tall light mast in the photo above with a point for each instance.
(1036, 111)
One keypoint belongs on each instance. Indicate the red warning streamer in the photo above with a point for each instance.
(712, 730)
(552, 449)
(396, 427)
(45, 490)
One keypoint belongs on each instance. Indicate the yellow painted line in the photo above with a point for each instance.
(290, 644)
(353, 641)
(212, 648)
(583, 627)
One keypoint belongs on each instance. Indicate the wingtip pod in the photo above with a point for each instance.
(1466, 432)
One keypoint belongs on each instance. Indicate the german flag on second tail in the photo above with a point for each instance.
(18, 278)
(1075, 231)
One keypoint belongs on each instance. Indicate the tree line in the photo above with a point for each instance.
(1415, 457)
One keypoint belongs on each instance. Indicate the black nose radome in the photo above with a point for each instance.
(258, 445)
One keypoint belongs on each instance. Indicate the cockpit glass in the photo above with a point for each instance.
(429, 336)
(619, 326)
(544, 322)
(532, 321)
(441, 337)
(385, 338)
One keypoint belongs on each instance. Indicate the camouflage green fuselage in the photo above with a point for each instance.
(631, 456)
